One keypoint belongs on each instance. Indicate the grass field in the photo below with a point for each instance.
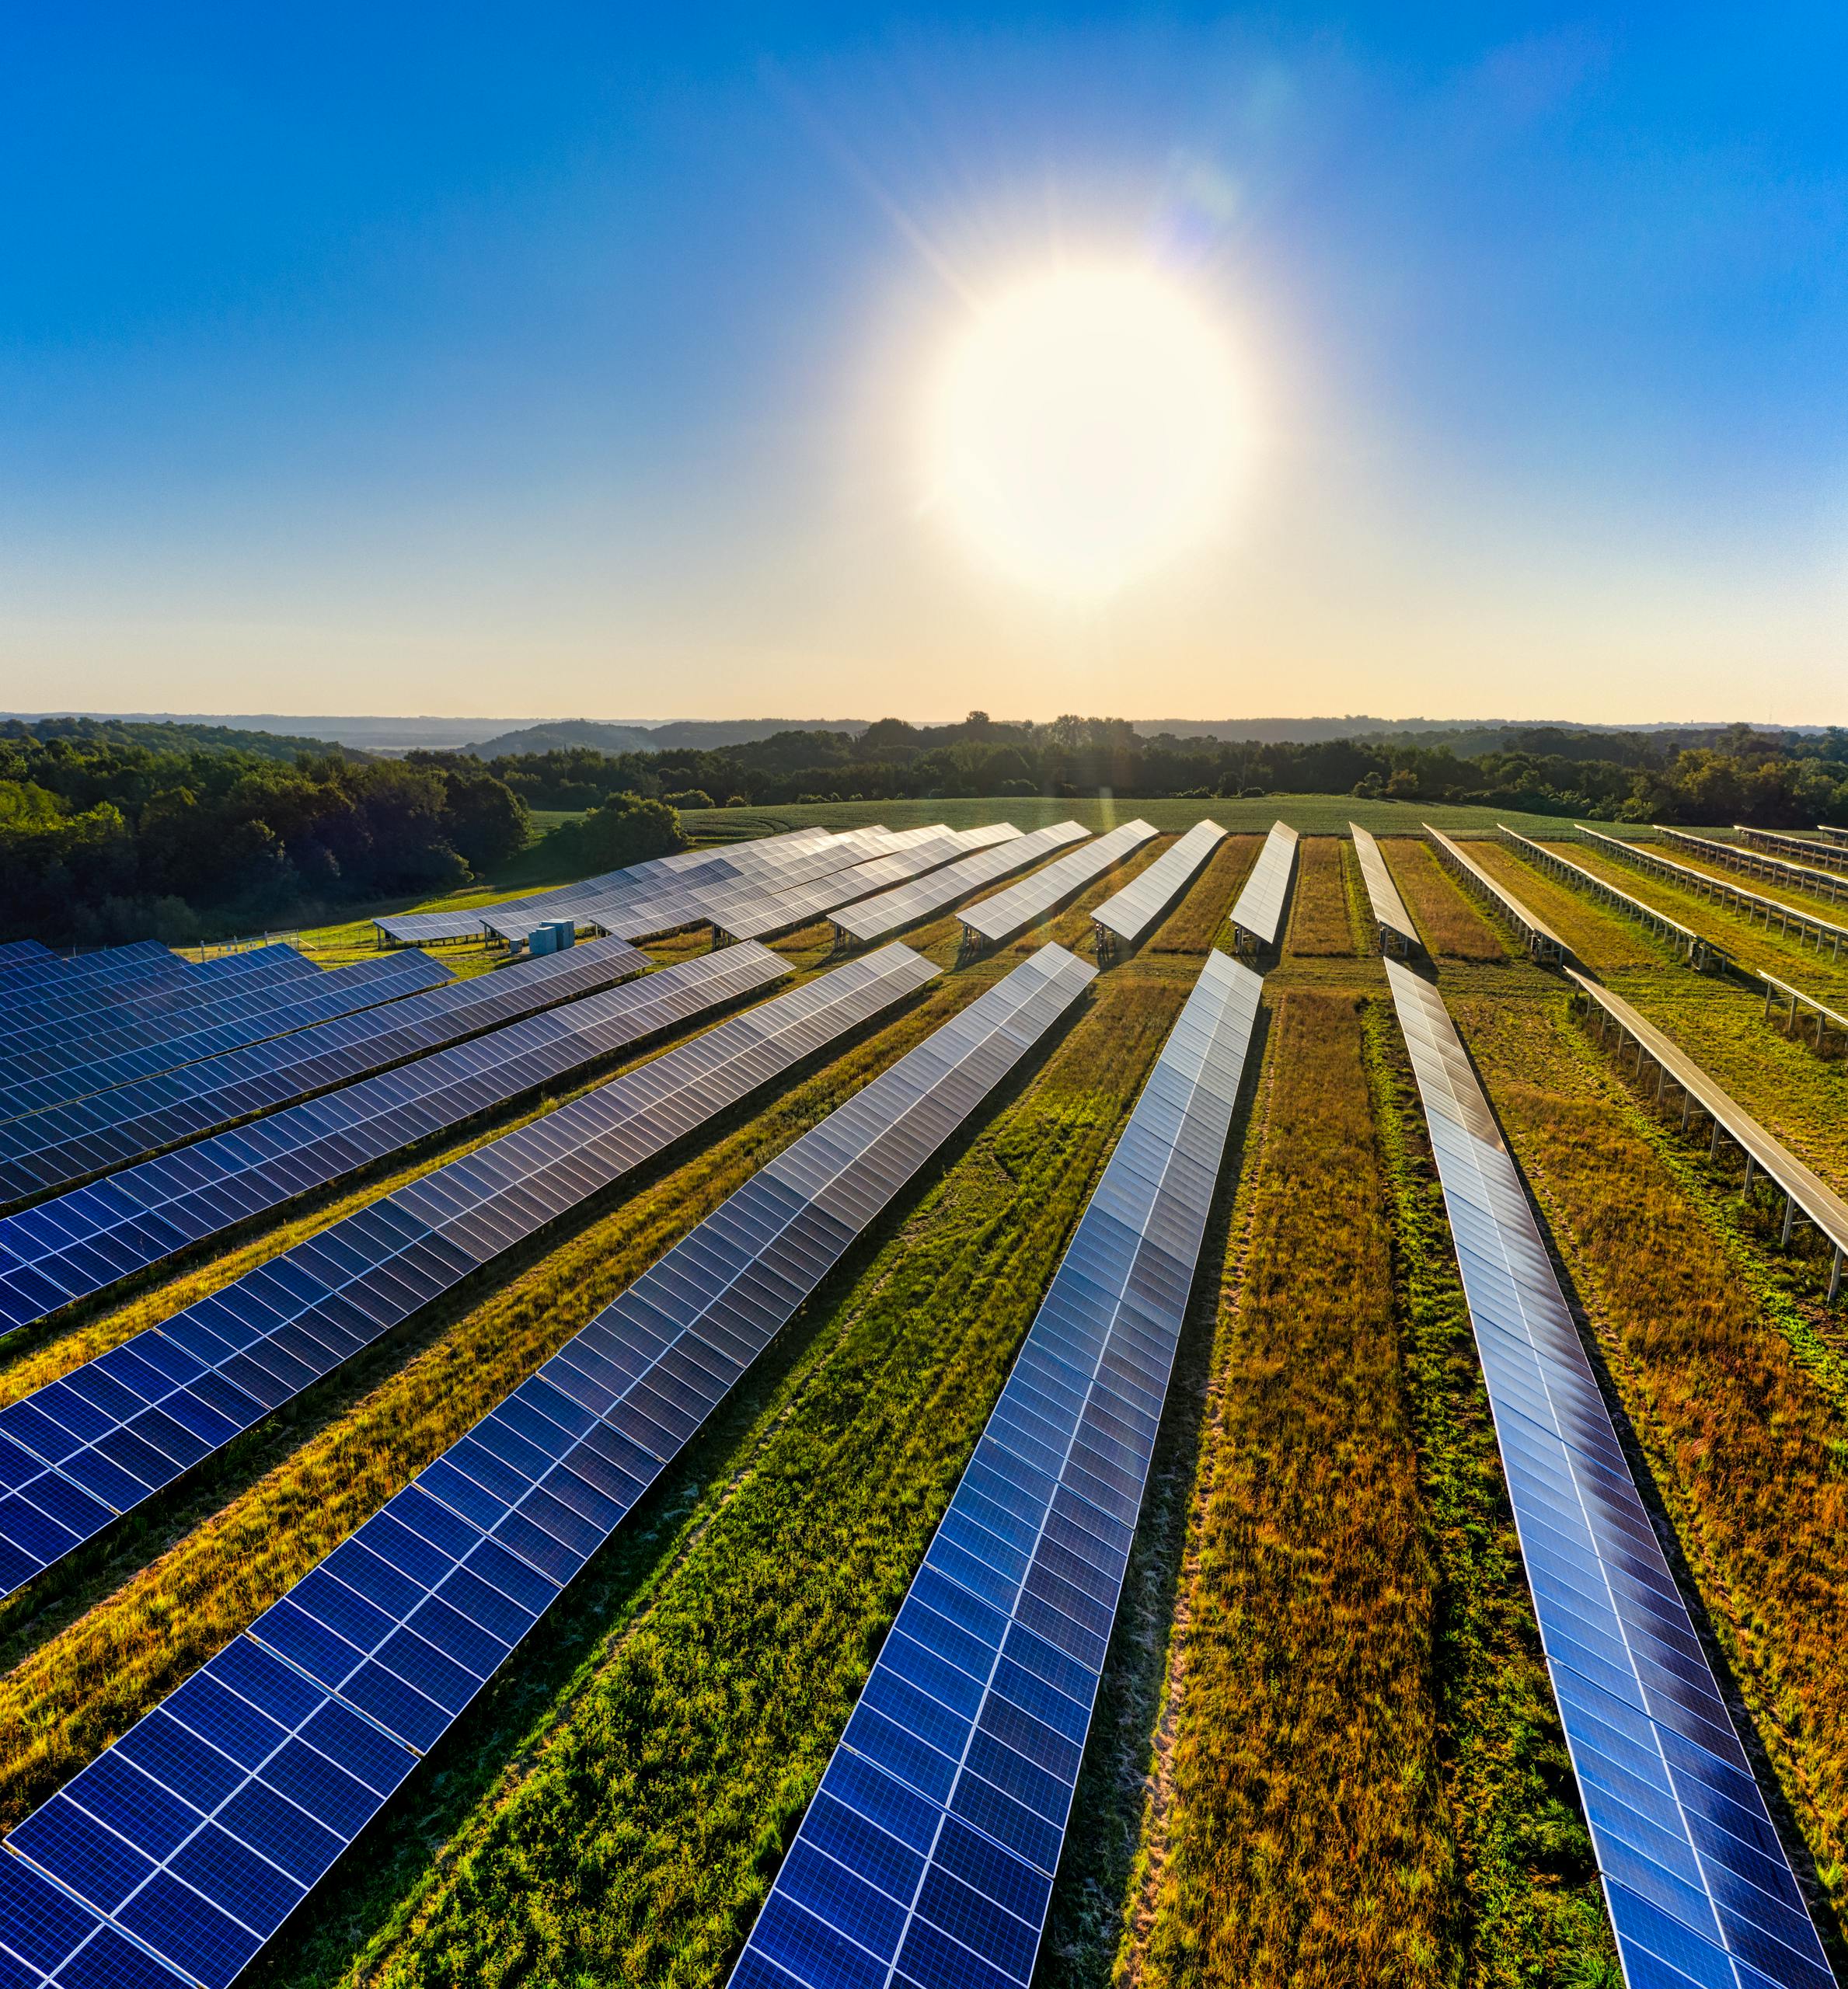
(1325, 1750)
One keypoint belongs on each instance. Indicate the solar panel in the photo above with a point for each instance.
(223, 1026)
(893, 911)
(67, 969)
(1698, 950)
(1754, 863)
(78, 1244)
(999, 919)
(65, 1059)
(419, 928)
(928, 1853)
(1121, 920)
(1699, 1887)
(1257, 917)
(1541, 941)
(88, 993)
(202, 1829)
(15, 952)
(50, 1017)
(1397, 934)
(797, 906)
(83, 1449)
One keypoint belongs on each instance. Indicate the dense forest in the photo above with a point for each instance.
(115, 830)
(1773, 778)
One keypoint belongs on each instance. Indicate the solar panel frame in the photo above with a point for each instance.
(1756, 863)
(548, 1020)
(1126, 916)
(993, 921)
(209, 1828)
(906, 904)
(1781, 841)
(784, 910)
(1694, 949)
(1398, 936)
(1257, 917)
(928, 1852)
(52, 1018)
(1754, 903)
(1645, 1720)
(82, 1451)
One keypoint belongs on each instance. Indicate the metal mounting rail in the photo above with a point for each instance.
(1540, 939)
(1699, 952)
(1788, 917)
(1773, 870)
(1781, 843)
(1804, 1192)
(1826, 1017)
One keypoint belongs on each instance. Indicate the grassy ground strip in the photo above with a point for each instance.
(1300, 1833)
(1319, 922)
(1534, 1910)
(1452, 925)
(1733, 1399)
(633, 1834)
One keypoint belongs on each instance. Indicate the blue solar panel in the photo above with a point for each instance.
(927, 1854)
(97, 1442)
(37, 972)
(59, 1039)
(203, 1827)
(215, 1027)
(91, 1136)
(1698, 1885)
(80, 1243)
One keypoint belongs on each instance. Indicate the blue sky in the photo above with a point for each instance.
(549, 359)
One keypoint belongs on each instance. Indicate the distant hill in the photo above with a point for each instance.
(701, 735)
(176, 736)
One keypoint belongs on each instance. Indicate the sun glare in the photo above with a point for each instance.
(1087, 428)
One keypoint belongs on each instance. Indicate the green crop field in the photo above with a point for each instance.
(1325, 1749)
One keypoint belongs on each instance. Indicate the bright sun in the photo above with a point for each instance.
(1086, 428)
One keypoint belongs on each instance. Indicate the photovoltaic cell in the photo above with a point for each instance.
(1397, 934)
(82, 1242)
(1123, 918)
(92, 1136)
(892, 911)
(202, 1828)
(927, 1855)
(1697, 1883)
(999, 919)
(797, 906)
(113, 1049)
(1258, 915)
(95, 1444)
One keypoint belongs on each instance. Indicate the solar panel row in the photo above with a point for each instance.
(787, 909)
(97, 1443)
(928, 1853)
(1124, 917)
(892, 911)
(1754, 904)
(64, 1143)
(54, 1019)
(39, 970)
(203, 1827)
(1257, 917)
(93, 993)
(277, 1011)
(994, 920)
(1397, 934)
(1806, 849)
(1698, 951)
(80, 1243)
(14, 952)
(695, 894)
(1541, 941)
(1757, 863)
(112, 1051)
(1699, 1886)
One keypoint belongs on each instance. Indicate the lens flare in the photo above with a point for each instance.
(1087, 428)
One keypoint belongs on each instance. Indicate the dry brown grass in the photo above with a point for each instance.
(1319, 922)
(1603, 940)
(1306, 1840)
(1200, 917)
(1450, 924)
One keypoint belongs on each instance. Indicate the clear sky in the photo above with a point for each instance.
(553, 360)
